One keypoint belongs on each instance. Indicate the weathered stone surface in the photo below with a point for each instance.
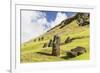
(83, 19)
(50, 44)
(71, 54)
(68, 40)
(80, 21)
(56, 46)
(45, 45)
(76, 51)
(79, 50)
(42, 38)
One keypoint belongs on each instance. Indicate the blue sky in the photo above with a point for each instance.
(51, 15)
(35, 23)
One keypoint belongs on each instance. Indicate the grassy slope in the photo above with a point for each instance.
(33, 51)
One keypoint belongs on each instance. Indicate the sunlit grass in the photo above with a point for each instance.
(34, 51)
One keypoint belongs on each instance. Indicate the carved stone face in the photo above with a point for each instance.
(56, 46)
(56, 39)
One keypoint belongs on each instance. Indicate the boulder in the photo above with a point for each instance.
(76, 52)
(79, 50)
(83, 19)
(71, 54)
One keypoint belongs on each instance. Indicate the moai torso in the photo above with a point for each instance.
(56, 46)
(50, 43)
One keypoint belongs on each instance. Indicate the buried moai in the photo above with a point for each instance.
(50, 43)
(76, 52)
(45, 45)
(56, 46)
(68, 40)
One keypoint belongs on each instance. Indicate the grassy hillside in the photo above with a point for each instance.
(33, 51)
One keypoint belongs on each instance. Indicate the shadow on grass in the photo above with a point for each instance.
(74, 38)
(42, 53)
(66, 57)
(47, 54)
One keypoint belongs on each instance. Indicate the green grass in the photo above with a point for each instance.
(33, 51)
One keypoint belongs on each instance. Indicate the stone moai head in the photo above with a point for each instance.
(56, 46)
(50, 43)
(56, 40)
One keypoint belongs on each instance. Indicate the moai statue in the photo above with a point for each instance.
(45, 45)
(34, 40)
(68, 40)
(56, 46)
(42, 38)
(50, 43)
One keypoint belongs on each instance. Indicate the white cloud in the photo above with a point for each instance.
(34, 23)
(60, 17)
